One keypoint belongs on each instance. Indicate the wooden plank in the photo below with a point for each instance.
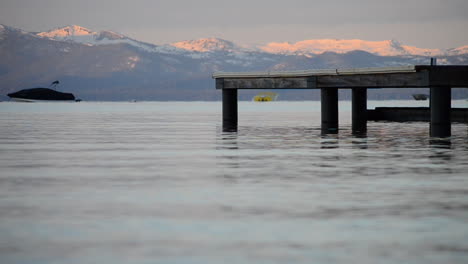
(220, 83)
(391, 80)
(267, 83)
(404, 77)
(270, 74)
(307, 73)
(394, 80)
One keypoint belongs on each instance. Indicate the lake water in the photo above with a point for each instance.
(158, 182)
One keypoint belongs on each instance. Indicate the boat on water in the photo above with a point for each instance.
(265, 97)
(420, 97)
(42, 94)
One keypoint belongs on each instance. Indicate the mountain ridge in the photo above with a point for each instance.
(307, 47)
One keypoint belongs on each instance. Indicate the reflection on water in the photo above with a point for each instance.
(329, 141)
(161, 183)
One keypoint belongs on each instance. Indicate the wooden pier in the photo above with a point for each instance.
(440, 80)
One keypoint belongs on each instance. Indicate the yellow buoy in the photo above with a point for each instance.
(265, 97)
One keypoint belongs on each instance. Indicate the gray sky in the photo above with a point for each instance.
(421, 23)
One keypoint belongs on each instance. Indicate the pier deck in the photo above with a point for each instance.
(440, 80)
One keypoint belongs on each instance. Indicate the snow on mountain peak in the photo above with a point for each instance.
(67, 31)
(81, 35)
(88, 37)
(205, 45)
(7, 29)
(317, 46)
(458, 51)
(71, 33)
(109, 35)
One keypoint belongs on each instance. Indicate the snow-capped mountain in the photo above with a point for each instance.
(4, 30)
(313, 47)
(207, 45)
(75, 33)
(458, 51)
(194, 48)
(78, 34)
(83, 35)
(318, 46)
(88, 37)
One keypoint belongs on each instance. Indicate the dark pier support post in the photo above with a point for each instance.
(229, 110)
(359, 110)
(440, 104)
(329, 105)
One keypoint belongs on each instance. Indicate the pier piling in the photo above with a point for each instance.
(230, 110)
(359, 110)
(329, 107)
(440, 104)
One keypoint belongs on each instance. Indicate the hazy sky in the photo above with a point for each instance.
(422, 23)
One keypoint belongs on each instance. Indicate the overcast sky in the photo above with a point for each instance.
(421, 23)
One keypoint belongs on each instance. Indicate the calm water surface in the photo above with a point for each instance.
(158, 182)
